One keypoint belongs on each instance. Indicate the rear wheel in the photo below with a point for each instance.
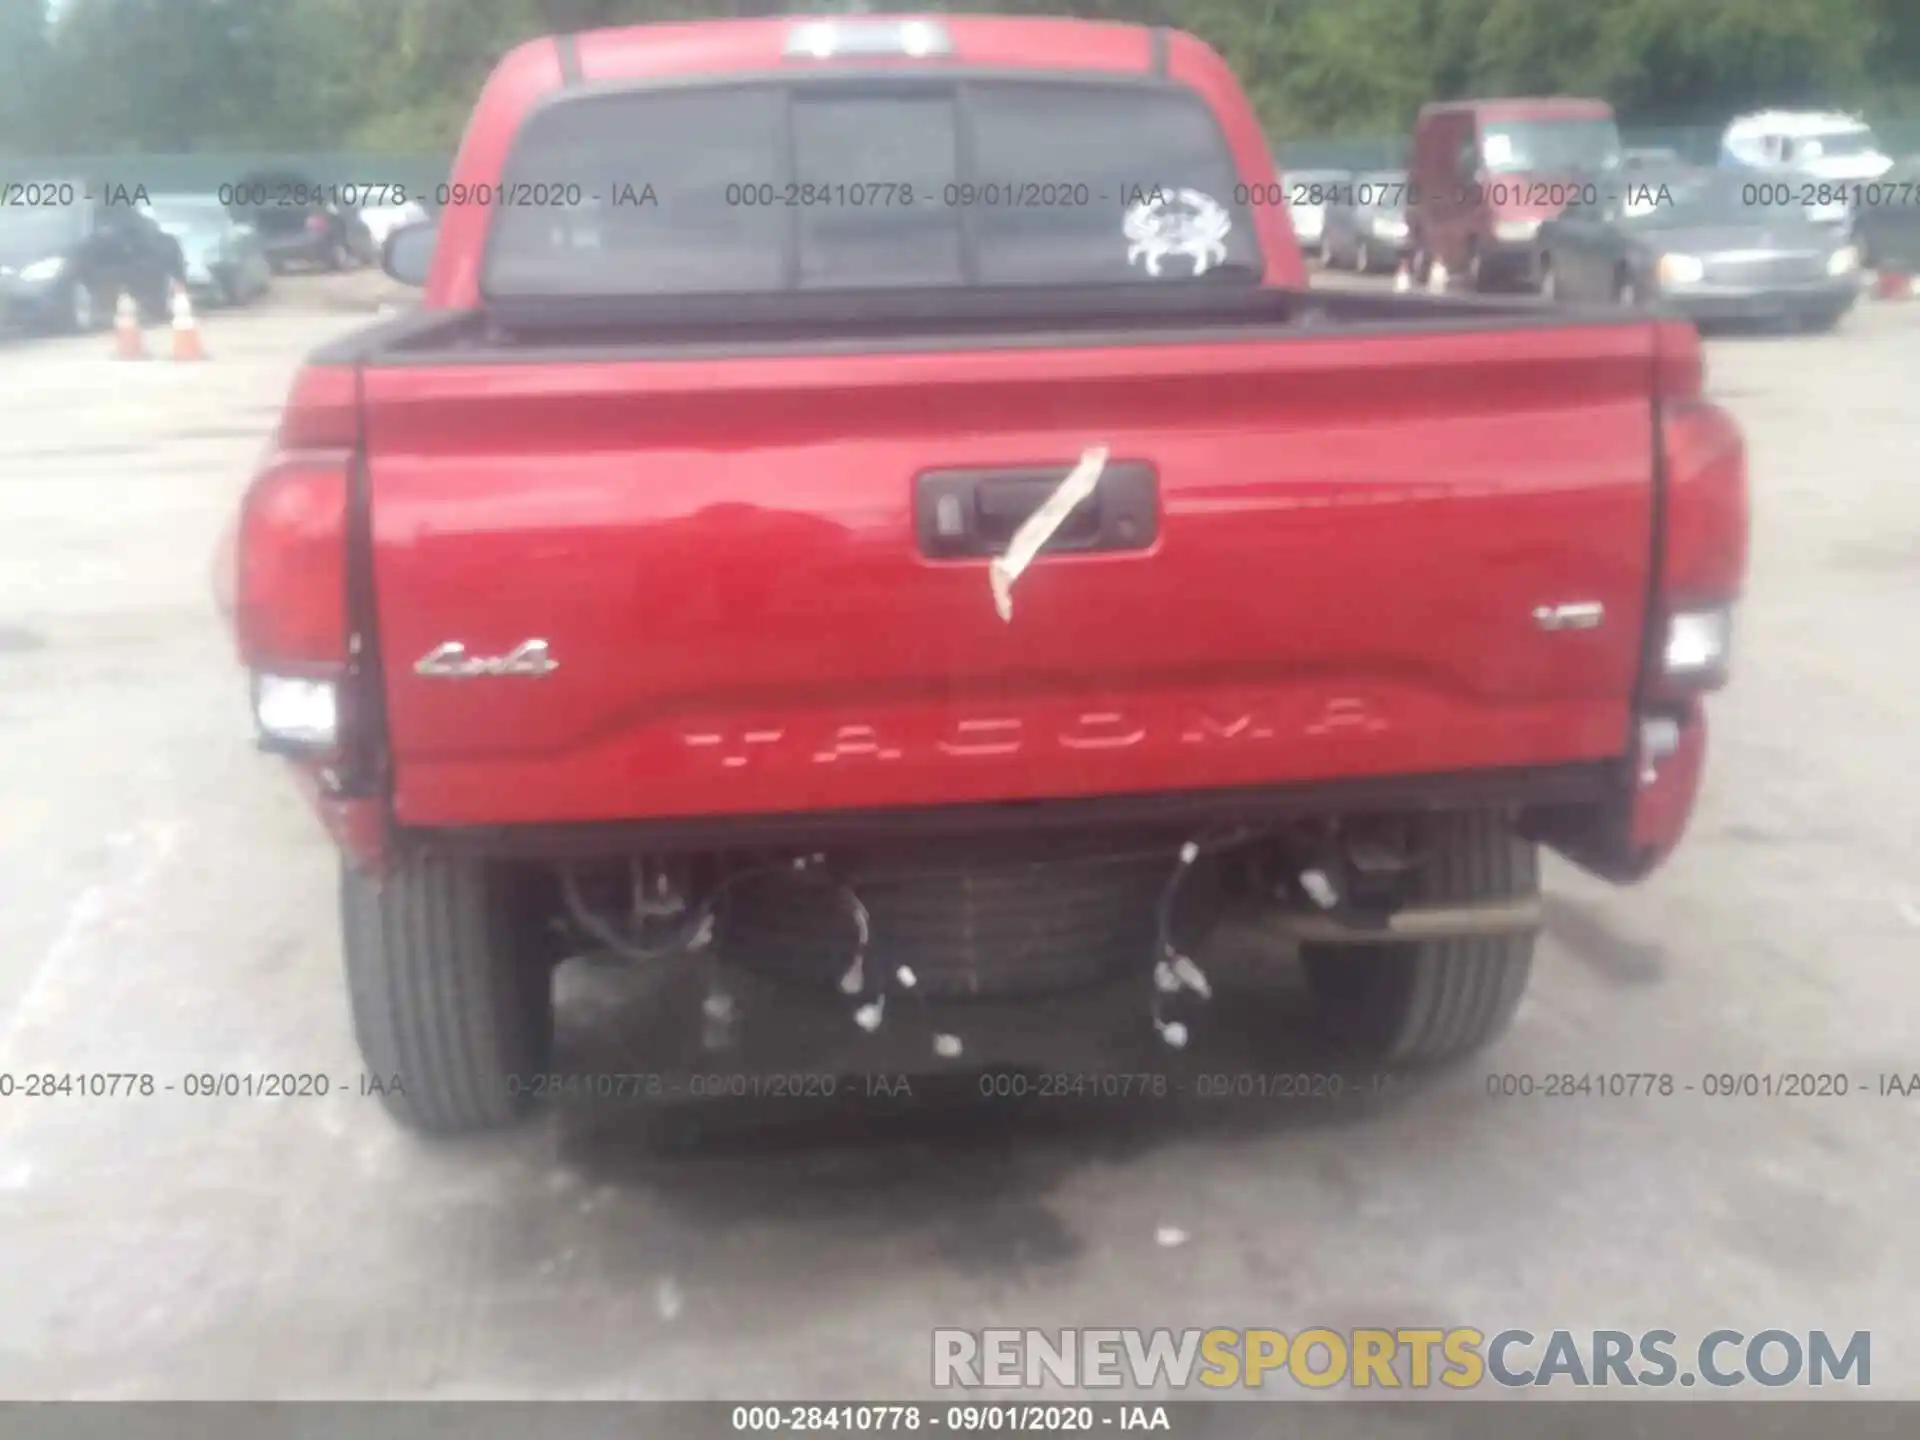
(451, 993)
(1422, 1003)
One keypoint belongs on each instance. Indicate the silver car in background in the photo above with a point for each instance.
(225, 261)
(383, 219)
(1368, 230)
(1308, 194)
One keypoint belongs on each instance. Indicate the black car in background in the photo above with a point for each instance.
(1886, 219)
(301, 220)
(1709, 244)
(1367, 229)
(65, 266)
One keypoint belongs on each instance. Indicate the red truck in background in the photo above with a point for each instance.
(1484, 174)
(869, 503)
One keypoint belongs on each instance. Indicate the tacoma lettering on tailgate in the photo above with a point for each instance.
(1006, 735)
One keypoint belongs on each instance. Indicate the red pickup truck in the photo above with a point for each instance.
(872, 505)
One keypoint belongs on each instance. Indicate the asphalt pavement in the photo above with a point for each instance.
(167, 908)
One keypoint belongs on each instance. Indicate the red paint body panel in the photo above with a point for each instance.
(721, 556)
(1661, 809)
(1706, 550)
(1355, 531)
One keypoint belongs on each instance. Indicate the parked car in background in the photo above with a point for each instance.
(1645, 157)
(1886, 220)
(224, 259)
(301, 221)
(1369, 231)
(65, 266)
(383, 219)
(1706, 243)
(1487, 173)
(1308, 193)
(1815, 144)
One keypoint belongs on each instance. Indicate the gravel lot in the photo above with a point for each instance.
(167, 906)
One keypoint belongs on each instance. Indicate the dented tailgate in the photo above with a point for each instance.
(1360, 555)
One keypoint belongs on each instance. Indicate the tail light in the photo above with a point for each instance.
(290, 610)
(290, 607)
(1705, 552)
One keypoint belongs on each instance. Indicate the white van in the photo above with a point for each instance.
(1819, 145)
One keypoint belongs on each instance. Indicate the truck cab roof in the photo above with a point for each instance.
(777, 43)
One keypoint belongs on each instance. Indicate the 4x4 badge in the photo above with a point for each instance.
(452, 662)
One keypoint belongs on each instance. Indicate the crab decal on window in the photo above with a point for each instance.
(1186, 223)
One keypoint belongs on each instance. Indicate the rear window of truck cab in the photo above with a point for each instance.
(873, 182)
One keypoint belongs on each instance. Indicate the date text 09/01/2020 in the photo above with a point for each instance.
(1015, 1419)
(996, 1085)
(993, 1085)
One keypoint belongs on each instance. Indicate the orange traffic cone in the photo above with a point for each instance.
(129, 341)
(186, 329)
(1892, 285)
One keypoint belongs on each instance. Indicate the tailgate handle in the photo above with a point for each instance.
(967, 514)
(1002, 505)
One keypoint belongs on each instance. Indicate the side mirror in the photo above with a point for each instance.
(408, 251)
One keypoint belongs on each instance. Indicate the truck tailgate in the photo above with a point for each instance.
(1357, 535)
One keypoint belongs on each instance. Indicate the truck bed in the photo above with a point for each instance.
(826, 323)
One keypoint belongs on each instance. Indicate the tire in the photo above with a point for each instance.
(338, 256)
(450, 992)
(1424, 1003)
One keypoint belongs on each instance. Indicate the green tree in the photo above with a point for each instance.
(25, 67)
(400, 75)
